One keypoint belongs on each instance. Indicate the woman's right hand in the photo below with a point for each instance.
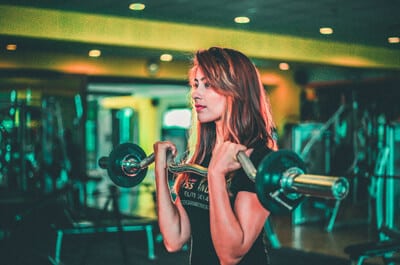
(161, 150)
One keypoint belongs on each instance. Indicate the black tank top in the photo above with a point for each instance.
(194, 198)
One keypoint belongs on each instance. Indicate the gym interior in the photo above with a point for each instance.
(85, 90)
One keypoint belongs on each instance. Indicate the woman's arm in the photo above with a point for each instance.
(172, 218)
(234, 230)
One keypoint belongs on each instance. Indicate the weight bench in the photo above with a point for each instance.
(359, 252)
(127, 225)
(383, 248)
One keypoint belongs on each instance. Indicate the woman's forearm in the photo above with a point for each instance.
(226, 232)
(172, 226)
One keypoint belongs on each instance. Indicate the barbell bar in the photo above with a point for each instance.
(280, 179)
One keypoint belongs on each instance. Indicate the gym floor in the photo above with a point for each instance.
(32, 241)
(305, 243)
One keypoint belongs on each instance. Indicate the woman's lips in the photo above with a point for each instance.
(199, 107)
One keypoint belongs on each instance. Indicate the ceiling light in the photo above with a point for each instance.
(242, 20)
(94, 53)
(284, 66)
(326, 30)
(394, 39)
(11, 47)
(166, 57)
(137, 6)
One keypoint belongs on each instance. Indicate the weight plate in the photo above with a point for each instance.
(269, 174)
(116, 160)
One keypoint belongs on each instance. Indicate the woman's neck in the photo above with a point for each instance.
(219, 133)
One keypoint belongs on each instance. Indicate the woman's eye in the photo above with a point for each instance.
(207, 85)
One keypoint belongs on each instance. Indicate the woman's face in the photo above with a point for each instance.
(208, 104)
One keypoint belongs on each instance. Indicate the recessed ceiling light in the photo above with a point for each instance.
(242, 20)
(166, 57)
(11, 47)
(326, 30)
(394, 39)
(137, 6)
(284, 66)
(94, 53)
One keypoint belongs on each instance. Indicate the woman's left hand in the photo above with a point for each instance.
(224, 158)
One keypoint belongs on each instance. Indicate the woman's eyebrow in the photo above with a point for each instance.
(201, 79)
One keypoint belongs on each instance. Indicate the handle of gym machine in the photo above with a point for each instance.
(103, 162)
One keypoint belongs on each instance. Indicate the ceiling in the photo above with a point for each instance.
(368, 22)
(49, 31)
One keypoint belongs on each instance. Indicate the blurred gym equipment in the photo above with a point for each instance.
(385, 189)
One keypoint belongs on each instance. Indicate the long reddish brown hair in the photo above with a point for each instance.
(247, 117)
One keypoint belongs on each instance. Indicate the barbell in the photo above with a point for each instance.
(280, 179)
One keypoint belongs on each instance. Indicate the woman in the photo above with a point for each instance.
(219, 213)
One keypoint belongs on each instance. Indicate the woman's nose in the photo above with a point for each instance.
(195, 94)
